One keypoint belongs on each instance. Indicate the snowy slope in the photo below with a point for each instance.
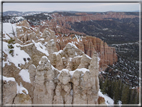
(108, 100)
(25, 75)
(17, 57)
(9, 29)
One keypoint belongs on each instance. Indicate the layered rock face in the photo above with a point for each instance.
(90, 44)
(71, 84)
(63, 21)
(25, 33)
(54, 71)
(74, 83)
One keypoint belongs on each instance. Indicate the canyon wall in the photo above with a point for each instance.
(51, 70)
(61, 24)
(90, 44)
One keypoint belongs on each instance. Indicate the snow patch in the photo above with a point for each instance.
(26, 45)
(77, 38)
(19, 18)
(88, 56)
(41, 39)
(58, 52)
(41, 48)
(57, 26)
(17, 57)
(25, 75)
(120, 103)
(98, 60)
(21, 88)
(78, 56)
(83, 70)
(45, 58)
(66, 70)
(71, 73)
(7, 78)
(9, 28)
(72, 45)
(70, 59)
(108, 100)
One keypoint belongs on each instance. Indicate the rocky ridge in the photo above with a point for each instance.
(62, 23)
(49, 74)
(90, 44)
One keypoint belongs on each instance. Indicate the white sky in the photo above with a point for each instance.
(92, 7)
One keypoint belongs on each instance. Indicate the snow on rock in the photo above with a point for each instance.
(57, 26)
(58, 52)
(71, 73)
(20, 89)
(7, 78)
(120, 103)
(66, 70)
(72, 45)
(41, 39)
(83, 70)
(77, 38)
(9, 28)
(108, 100)
(41, 47)
(19, 18)
(88, 56)
(78, 56)
(25, 75)
(26, 45)
(60, 71)
(18, 55)
(16, 19)
(43, 58)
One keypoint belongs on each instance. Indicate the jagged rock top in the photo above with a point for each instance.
(46, 75)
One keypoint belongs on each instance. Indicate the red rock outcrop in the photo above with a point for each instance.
(90, 44)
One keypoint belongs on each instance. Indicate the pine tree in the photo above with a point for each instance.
(116, 92)
(110, 89)
(10, 46)
(105, 86)
(125, 95)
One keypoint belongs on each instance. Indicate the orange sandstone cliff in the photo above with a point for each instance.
(90, 44)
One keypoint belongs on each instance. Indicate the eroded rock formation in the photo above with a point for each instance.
(90, 44)
(56, 71)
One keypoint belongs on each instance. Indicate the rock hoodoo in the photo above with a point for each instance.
(52, 70)
(90, 44)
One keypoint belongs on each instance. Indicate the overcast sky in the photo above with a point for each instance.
(92, 7)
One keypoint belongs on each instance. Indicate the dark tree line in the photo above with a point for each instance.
(119, 91)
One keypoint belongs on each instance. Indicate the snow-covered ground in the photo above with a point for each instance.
(7, 78)
(18, 56)
(9, 29)
(108, 100)
(25, 75)
(20, 87)
(41, 47)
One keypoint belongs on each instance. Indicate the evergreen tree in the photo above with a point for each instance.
(105, 86)
(117, 92)
(125, 95)
(10, 46)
